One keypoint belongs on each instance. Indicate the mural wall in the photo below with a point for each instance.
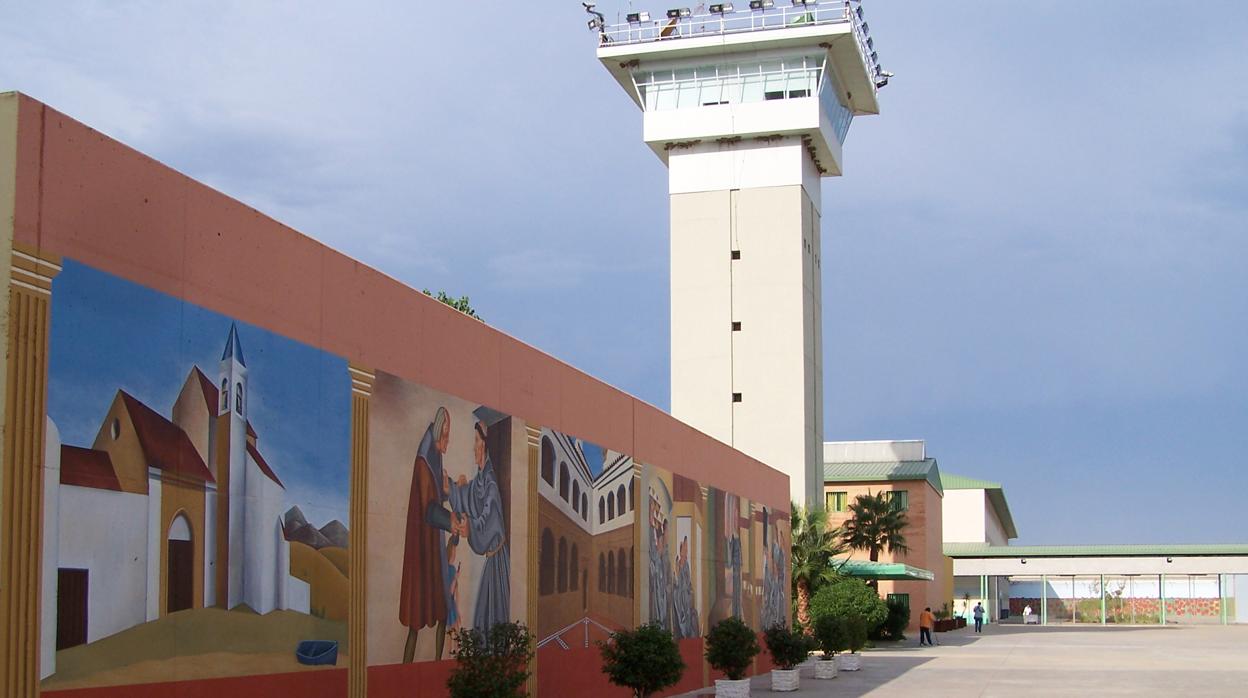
(442, 555)
(224, 439)
(711, 555)
(196, 510)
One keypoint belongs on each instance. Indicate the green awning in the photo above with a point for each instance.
(889, 571)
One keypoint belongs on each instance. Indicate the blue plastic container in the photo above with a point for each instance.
(317, 652)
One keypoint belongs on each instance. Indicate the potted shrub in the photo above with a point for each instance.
(788, 649)
(645, 660)
(943, 622)
(730, 648)
(855, 639)
(493, 665)
(830, 632)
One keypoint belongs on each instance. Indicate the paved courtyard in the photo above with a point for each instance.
(1048, 661)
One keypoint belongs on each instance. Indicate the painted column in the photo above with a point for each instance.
(534, 438)
(357, 632)
(21, 499)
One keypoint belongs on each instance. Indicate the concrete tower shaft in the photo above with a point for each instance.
(748, 110)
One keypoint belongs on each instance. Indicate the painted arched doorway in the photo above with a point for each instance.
(180, 575)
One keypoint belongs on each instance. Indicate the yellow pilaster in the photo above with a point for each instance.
(357, 631)
(21, 501)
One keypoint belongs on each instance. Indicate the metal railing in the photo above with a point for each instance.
(744, 21)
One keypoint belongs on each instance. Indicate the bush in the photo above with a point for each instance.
(645, 660)
(491, 666)
(894, 626)
(788, 648)
(730, 647)
(830, 632)
(855, 632)
(846, 597)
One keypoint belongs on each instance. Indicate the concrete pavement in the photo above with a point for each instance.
(1015, 660)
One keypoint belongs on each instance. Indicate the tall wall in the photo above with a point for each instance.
(403, 439)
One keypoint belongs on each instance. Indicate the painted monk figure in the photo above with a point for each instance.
(481, 502)
(686, 624)
(423, 598)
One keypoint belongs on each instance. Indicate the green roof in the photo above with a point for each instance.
(974, 550)
(865, 569)
(885, 472)
(996, 496)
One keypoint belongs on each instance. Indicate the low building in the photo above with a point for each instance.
(921, 576)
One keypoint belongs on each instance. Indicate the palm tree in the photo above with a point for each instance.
(814, 548)
(875, 525)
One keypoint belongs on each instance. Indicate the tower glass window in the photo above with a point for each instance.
(900, 499)
(789, 77)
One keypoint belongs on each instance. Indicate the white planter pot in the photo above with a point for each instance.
(849, 662)
(784, 679)
(727, 688)
(825, 669)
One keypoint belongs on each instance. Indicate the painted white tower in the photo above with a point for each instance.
(748, 107)
(233, 401)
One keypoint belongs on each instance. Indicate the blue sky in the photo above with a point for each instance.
(1035, 259)
(110, 334)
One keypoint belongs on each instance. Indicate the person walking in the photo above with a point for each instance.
(979, 617)
(927, 621)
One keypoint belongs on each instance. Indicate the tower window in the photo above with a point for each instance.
(225, 394)
(115, 429)
(736, 397)
(736, 254)
(238, 397)
(736, 326)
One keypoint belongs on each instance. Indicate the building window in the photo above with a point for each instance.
(632, 495)
(584, 507)
(611, 572)
(835, 501)
(546, 564)
(115, 429)
(548, 461)
(903, 599)
(602, 573)
(562, 565)
(563, 481)
(736, 397)
(610, 507)
(238, 398)
(576, 496)
(736, 254)
(632, 565)
(900, 499)
(225, 394)
(602, 511)
(619, 500)
(736, 326)
(574, 571)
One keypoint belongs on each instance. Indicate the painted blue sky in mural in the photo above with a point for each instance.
(108, 333)
(593, 457)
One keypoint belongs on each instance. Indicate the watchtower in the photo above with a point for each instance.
(748, 107)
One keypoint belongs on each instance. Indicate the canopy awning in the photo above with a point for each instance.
(889, 571)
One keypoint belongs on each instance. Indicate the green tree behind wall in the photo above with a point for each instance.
(461, 304)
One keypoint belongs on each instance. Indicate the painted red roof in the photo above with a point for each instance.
(87, 467)
(264, 466)
(165, 446)
(211, 396)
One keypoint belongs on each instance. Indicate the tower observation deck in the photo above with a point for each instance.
(748, 108)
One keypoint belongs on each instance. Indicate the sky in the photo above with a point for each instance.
(1035, 259)
(109, 334)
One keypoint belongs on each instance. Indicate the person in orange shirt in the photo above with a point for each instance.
(927, 621)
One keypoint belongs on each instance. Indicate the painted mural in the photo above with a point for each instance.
(441, 477)
(710, 555)
(196, 491)
(586, 567)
